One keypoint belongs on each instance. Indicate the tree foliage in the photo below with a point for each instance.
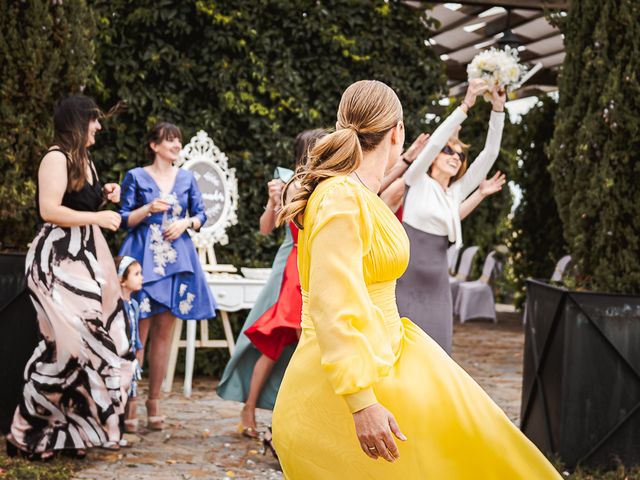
(252, 74)
(594, 151)
(536, 242)
(46, 52)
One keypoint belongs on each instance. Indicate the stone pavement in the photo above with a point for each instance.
(201, 440)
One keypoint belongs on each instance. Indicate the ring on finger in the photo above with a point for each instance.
(372, 449)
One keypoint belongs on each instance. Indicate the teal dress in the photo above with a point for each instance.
(234, 384)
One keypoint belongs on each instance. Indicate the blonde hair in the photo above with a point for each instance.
(368, 110)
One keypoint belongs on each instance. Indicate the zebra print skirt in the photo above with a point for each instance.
(77, 379)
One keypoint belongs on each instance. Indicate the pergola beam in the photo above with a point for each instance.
(523, 4)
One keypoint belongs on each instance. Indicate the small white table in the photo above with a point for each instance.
(232, 293)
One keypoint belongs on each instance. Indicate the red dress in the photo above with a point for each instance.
(279, 326)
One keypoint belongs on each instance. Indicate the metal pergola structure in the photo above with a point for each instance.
(467, 27)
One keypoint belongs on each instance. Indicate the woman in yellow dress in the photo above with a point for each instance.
(361, 375)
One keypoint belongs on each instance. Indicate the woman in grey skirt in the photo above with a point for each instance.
(438, 184)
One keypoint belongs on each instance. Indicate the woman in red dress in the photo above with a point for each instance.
(280, 325)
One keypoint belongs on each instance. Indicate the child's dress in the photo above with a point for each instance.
(133, 313)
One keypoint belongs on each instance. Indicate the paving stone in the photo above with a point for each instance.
(201, 439)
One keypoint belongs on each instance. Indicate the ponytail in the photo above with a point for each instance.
(338, 153)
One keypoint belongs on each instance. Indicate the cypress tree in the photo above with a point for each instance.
(46, 52)
(536, 242)
(595, 161)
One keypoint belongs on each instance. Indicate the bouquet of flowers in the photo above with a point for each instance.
(497, 67)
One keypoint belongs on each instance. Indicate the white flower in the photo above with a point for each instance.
(497, 67)
(186, 305)
(145, 305)
(183, 288)
(163, 251)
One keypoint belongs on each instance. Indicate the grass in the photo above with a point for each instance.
(20, 469)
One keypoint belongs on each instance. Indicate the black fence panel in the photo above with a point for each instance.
(581, 386)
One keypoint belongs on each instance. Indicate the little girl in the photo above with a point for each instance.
(130, 275)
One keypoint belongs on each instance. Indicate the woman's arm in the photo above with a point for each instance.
(441, 136)
(394, 194)
(355, 350)
(406, 159)
(270, 214)
(52, 184)
(132, 214)
(484, 161)
(196, 213)
(487, 187)
(436, 142)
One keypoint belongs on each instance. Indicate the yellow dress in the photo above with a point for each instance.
(355, 350)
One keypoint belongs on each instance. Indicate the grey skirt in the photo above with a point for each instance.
(423, 292)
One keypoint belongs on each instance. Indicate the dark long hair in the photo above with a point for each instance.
(70, 129)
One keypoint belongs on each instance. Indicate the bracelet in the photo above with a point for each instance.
(406, 161)
(466, 105)
(497, 111)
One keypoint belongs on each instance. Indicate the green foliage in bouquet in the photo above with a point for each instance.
(595, 165)
(46, 52)
(252, 74)
(536, 241)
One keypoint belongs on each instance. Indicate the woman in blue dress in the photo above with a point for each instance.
(159, 203)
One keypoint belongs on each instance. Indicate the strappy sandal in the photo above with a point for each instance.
(131, 425)
(154, 422)
(111, 445)
(248, 432)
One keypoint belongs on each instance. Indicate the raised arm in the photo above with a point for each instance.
(271, 209)
(487, 187)
(484, 161)
(445, 130)
(405, 160)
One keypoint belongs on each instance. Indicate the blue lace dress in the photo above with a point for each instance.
(173, 279)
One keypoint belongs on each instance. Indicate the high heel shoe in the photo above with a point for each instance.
(154, 422)
(248, 432)
(267, 443)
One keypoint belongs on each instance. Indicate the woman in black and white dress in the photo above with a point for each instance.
(439, 183)
(77, 380)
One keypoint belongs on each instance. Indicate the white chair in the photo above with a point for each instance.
(464, 269)
(561, 266)
(452, 258)
(219, 187)
(475, 299)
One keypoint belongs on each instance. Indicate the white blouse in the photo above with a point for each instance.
(428, 206)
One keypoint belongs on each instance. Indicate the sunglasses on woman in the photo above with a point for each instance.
(447, 150)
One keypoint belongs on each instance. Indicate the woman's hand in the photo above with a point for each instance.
(275, 187)
(492, 185)
(374, 426)
(112, 191)
(157, 206)
(476, 87)
(498, 99)
(175, 229)
(108, 219)
(416, 147)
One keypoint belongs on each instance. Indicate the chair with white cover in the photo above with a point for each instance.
(464, 269)
(475, 299)
(452, 258)
(219, 187)
(561, 266)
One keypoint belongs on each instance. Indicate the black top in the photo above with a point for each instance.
(88, 199)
